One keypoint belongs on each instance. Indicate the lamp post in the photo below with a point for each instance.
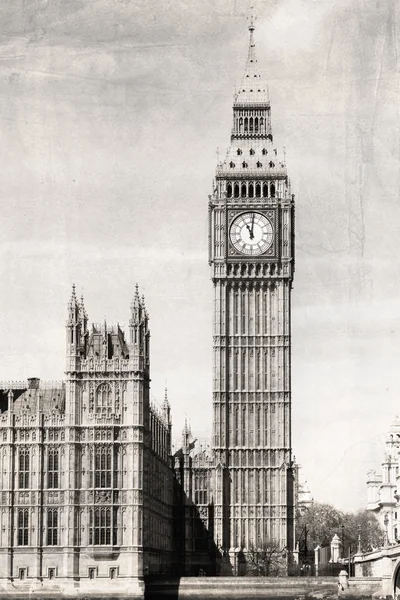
(342, 527)
(386, 522)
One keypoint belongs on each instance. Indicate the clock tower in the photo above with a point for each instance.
(251, 254)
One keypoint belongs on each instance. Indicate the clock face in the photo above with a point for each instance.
(251, 233)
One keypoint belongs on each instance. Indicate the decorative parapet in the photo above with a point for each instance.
(24, 385)
(259, 174)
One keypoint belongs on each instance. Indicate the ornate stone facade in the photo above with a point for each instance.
(88, 495)
(86, 480)
(251, 254)
(384, 489)
(252, 265)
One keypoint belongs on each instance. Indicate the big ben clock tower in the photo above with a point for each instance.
(251, 253)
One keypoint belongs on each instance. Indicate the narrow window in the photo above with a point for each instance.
(258, 190)
(92, 573)
(244, 191)
(272, 189)
(51, 574)
(265, 190)
(264, 151)
(52, 527)
(244, 165)
(23, 468)
(271, 164)
(252, 152)
(23, 527)
(52, 468)
(238, 151)
(103, 466)
(259, 164)
(251, 190)
(256, 125)
(229, 190)
(246, 125)
(232, 165)
(236, 190)
(251, 124)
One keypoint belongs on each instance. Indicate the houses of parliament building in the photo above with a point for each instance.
(91, 496)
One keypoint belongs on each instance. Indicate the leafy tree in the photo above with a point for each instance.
(318, 523)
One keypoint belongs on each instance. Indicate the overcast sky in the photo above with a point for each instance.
(111, 112)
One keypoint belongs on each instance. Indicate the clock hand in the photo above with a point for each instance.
(252, 227)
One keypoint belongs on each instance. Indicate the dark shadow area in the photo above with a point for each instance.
(194, 550)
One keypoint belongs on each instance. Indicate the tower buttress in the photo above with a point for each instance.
(139, 355)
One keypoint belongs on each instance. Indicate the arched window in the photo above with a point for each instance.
(103, 467)
(52, 467)
(238, 151)
(252, 152)
(261, 121)
(251, 124)
(244, 190)
(259, 165)
(246, 125)
(251, 190)
(52, 527)
(232, 165)
(23, 527)
(256, 125)
(229, 190)
(102, 526)
(265, 190)
(236, 190)
(271, 164)
(104, 400)
(244, 165)
(258, 190)
(264, 151)
(272, 190)
(23, 468)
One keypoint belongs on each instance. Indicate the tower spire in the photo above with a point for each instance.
(251, 57)
(252, 89)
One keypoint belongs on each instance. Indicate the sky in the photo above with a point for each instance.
(112, 115)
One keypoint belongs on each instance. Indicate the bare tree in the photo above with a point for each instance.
(265, 560)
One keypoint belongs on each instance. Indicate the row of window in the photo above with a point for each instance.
(245, 165)
(264, 151)
(52, 527)
(102, 475)
(251, 190)
(251, 125)
(102, 527)
(51, 573)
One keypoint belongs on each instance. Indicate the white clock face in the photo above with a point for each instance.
(251, 233)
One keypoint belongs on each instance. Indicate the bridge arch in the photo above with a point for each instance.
(396, 580)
